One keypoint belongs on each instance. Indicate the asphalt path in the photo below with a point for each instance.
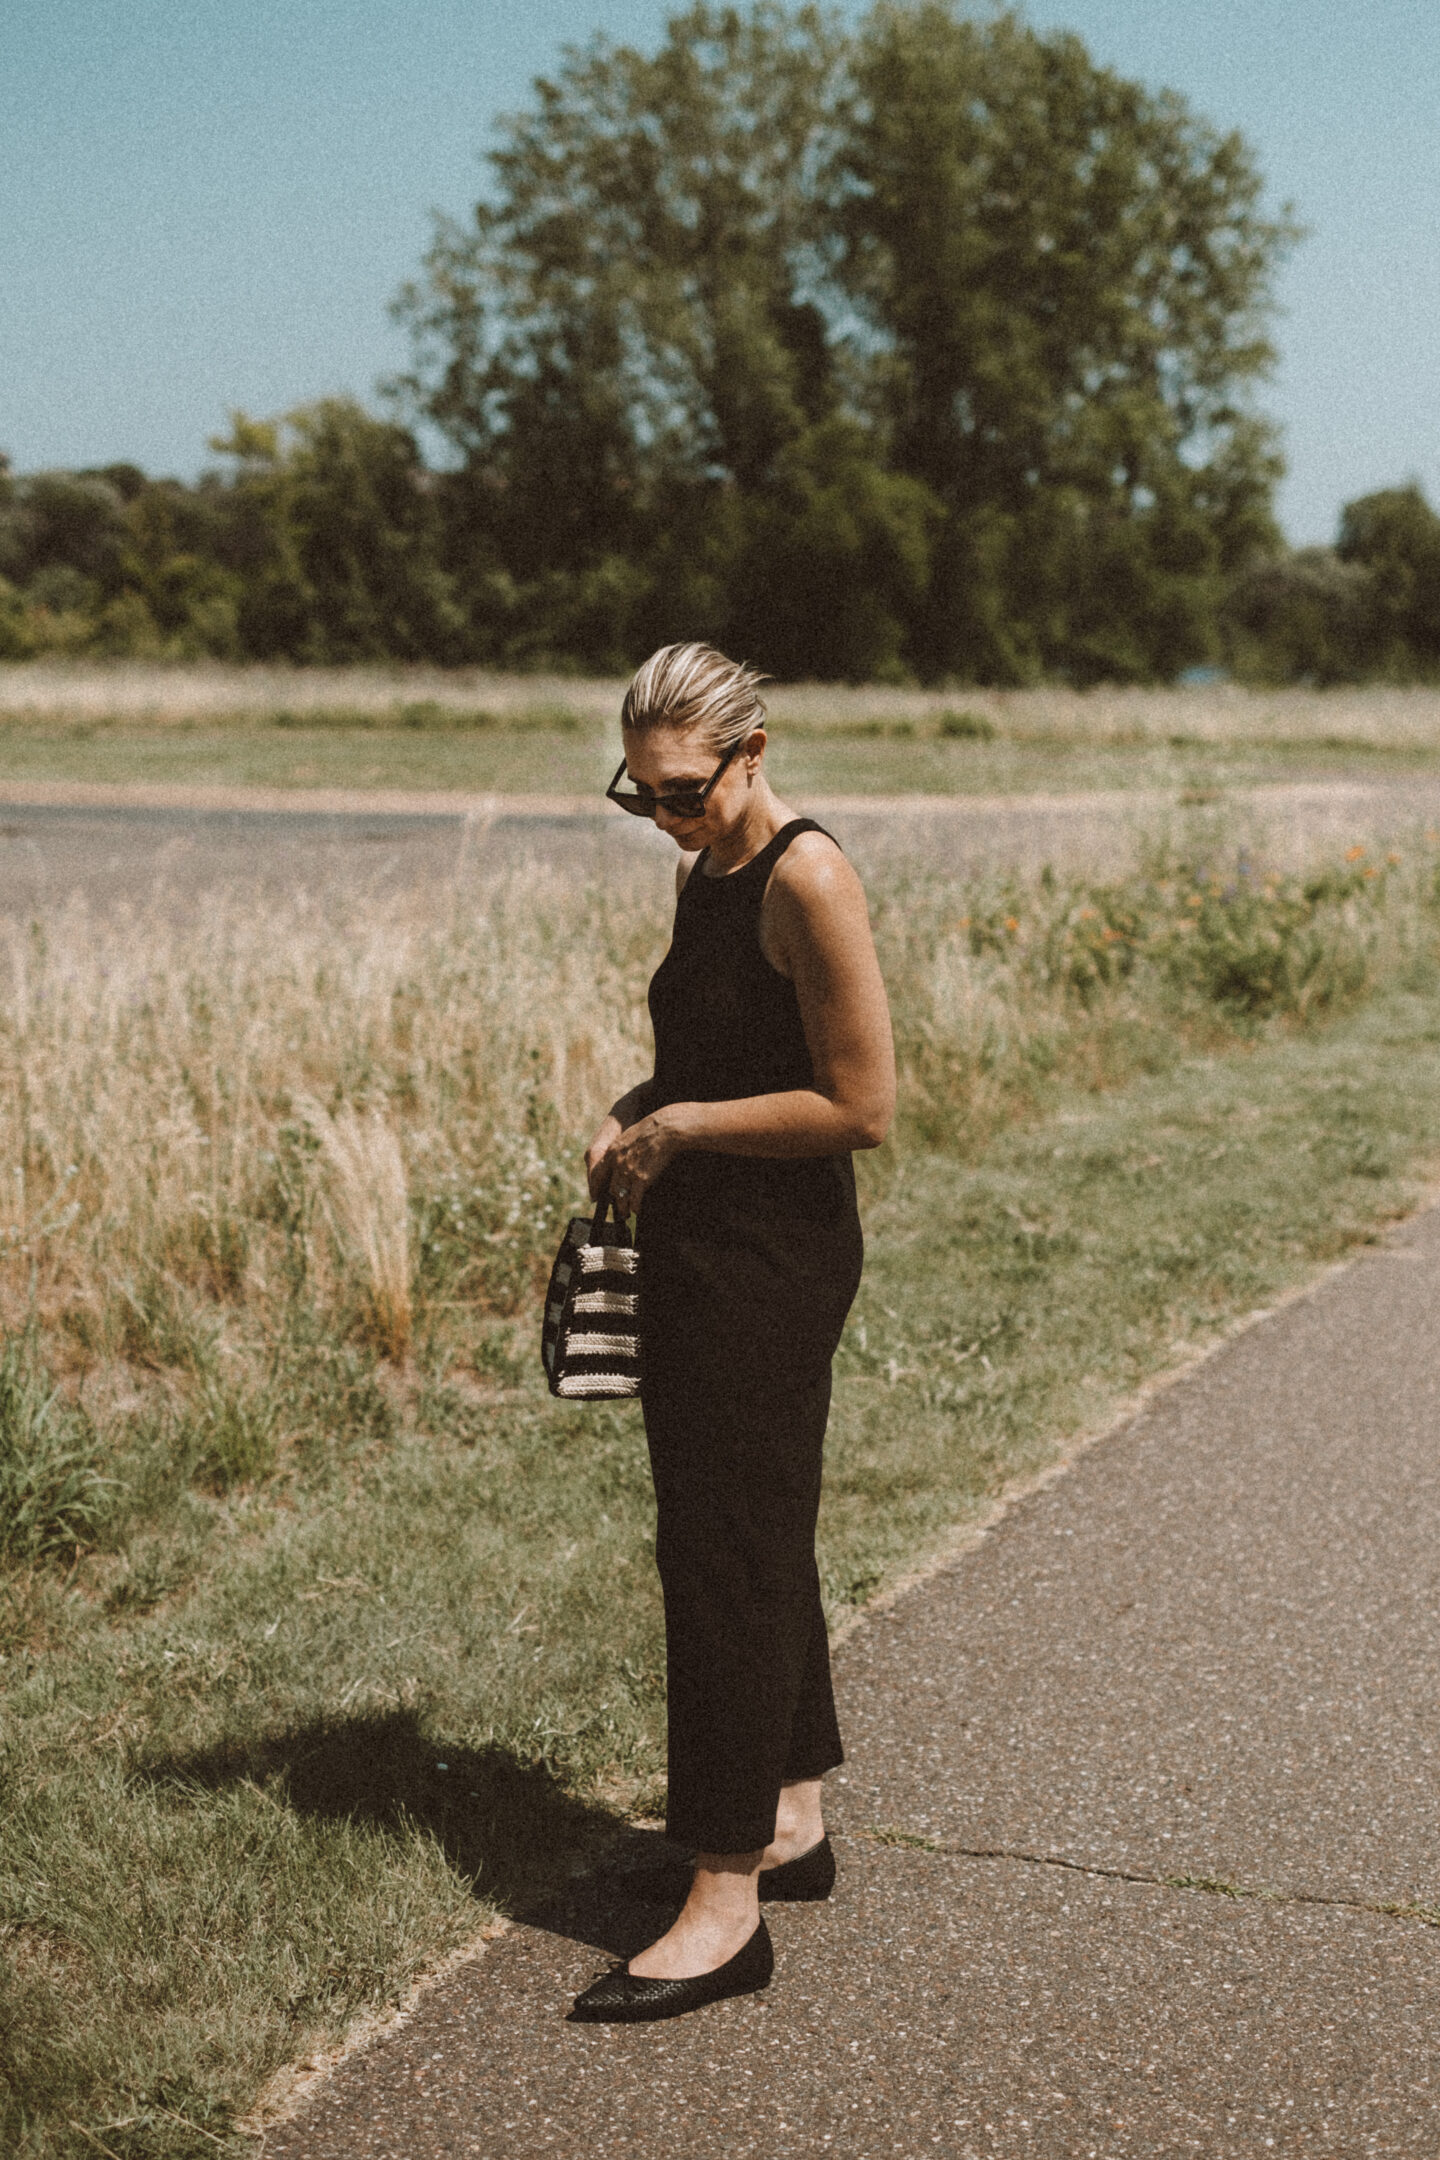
(1139, 1834)
(137, 845)
(143, 853)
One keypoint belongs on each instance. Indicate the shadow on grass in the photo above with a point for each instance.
(522, 1841)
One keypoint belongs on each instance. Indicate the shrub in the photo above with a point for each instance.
(1001, 986)
(52, 1495)
(231, 1434)
(967, 727)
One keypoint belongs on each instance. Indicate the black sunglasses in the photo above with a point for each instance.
(685, 802)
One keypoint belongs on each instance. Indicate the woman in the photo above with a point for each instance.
(773, 1061)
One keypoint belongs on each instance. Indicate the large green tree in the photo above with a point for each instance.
(1367, 609)
(1068, 278)
(931, 332)
(332, 532)
(1394, 536)
(634, 346)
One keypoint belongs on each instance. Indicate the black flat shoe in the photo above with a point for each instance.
(621, 1997)
(805, 1880)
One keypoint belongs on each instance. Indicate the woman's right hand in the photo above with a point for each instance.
(597, 1165)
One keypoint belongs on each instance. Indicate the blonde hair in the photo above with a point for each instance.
(694, 687)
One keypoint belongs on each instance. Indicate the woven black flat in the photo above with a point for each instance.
(621, 1997)
(805, 1880)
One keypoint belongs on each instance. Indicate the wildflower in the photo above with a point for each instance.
(1354, 854)
(1011, 923)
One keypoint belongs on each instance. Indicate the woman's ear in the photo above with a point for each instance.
(755, 748)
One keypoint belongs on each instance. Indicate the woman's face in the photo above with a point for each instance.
(664, 759)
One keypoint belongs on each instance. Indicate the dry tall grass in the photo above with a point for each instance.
(204, 1121)
(370, 1198)
(261, 1094)
(148, 696)
(137, 695)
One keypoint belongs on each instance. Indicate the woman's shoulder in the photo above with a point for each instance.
(813, 863)
(813, 880)
(814, 906)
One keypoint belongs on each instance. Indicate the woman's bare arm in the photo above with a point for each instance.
(634, 1103)
(632, 1106)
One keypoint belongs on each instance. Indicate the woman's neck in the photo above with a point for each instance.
(762, 817)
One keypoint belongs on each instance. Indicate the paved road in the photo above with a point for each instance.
(1141, 1797)
(113, 844)
(136, 853)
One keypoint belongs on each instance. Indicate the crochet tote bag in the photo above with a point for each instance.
(590, 1339)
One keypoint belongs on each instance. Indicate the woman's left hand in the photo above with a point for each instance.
(637, 1158)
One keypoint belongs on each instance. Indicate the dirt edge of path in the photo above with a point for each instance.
(288, 2090)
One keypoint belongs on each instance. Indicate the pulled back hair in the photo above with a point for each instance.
(694, 688)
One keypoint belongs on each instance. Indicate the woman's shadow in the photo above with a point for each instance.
(509, 1827)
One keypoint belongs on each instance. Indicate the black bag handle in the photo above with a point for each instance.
(603, 1206)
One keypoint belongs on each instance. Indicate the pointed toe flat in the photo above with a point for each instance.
(621, 1997)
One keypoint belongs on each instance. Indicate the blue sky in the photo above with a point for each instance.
(208, 203)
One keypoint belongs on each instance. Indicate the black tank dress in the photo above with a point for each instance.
(749, 1269)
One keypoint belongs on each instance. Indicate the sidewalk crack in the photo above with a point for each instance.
(1210, 1885)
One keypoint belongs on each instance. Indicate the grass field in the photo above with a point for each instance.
(481, 734)
(324, 1634)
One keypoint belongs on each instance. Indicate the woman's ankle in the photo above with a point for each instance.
(799, 1818)
(722, 1905)
(725, 1882)
(702, 1937)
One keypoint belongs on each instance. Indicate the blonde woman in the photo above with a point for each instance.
(773, 1062)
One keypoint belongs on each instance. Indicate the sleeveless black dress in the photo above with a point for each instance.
(749, 1268)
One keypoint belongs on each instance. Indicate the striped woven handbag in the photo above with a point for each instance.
(590, 1340)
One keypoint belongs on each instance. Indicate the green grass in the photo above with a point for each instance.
(504, 735)
(53, 1494)
(358, 1659)
(1012, 1303)
(580, 762)
(540, 761)
(858, 763)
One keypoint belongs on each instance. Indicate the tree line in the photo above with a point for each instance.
(922, 349)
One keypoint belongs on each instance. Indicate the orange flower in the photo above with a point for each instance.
(1011, 923)
(1353, 854)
